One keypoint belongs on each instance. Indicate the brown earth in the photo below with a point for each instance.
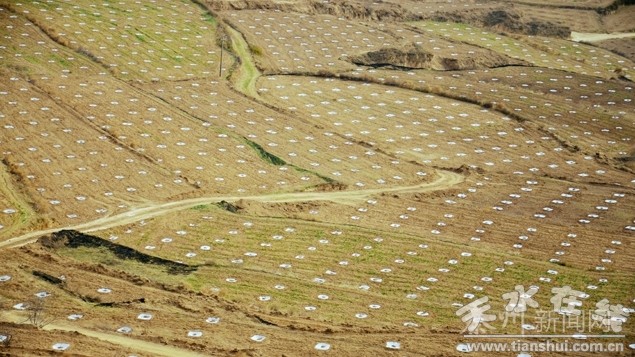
(264, 178)
(624, 47)
(416, 57)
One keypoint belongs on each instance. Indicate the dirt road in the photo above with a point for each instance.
(154, 349)
(594, 37)
(445, 180)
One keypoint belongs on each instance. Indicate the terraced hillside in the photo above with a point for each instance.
(260, 178)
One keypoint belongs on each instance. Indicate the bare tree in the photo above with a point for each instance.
(38, 314)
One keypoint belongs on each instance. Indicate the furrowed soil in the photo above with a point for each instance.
(299, 178)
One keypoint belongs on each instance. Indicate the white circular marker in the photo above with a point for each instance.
(124, 329)
(257, 338)
(42, 294)
(393, 345)
(74, 317)
(322, 346)
(60, 346)
(145, 317)
(212, 320)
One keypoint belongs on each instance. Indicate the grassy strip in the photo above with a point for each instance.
(275, 160)
(264, 154)
(247, 75)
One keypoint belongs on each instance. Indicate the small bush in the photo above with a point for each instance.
(255, 50)
(38, 313)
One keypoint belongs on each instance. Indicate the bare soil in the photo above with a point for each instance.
(274, 178)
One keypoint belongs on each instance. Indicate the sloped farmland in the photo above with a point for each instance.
(260, 178)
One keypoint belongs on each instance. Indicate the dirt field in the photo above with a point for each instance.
(625, 46)
(299, 178)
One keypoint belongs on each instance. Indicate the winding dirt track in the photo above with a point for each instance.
(155, 349)
(595, 37)
(444, 180)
